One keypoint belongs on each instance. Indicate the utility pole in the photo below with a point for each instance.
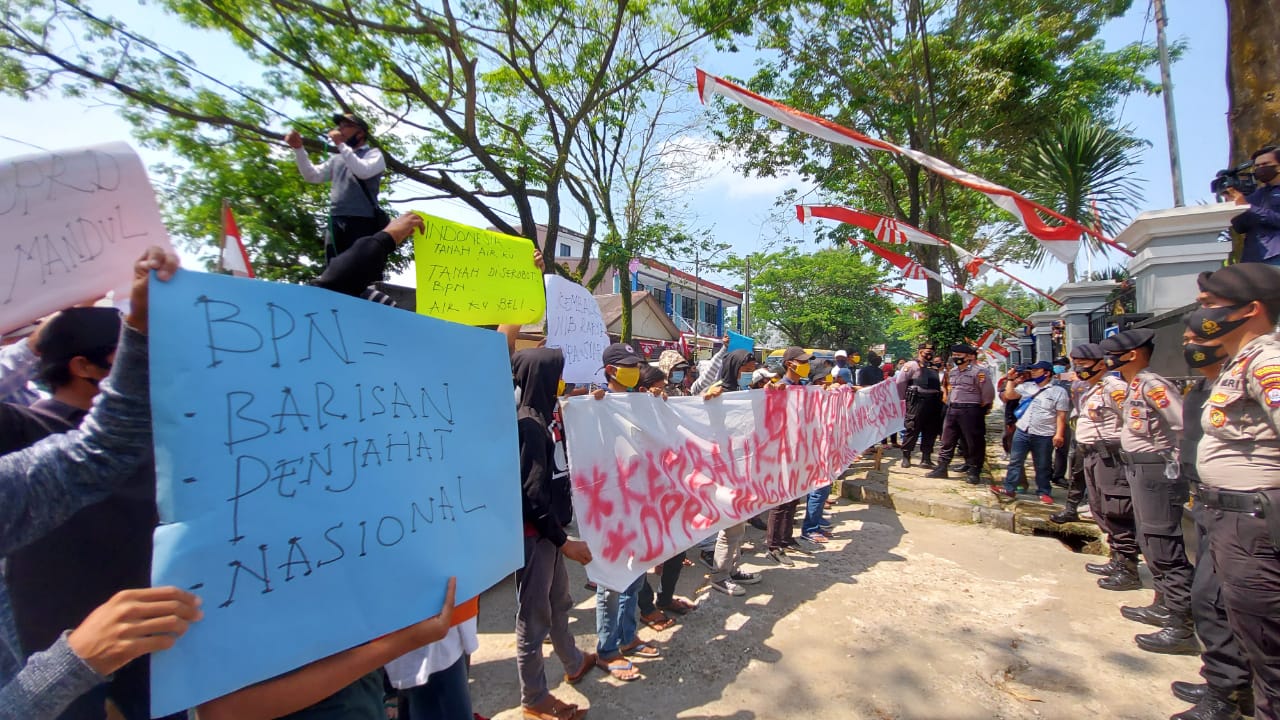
(746, 302)
(697, 288)
(1166, 84)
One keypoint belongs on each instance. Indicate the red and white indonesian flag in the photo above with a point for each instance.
(1062, 241)
(971, 308)
(886, 229)
(911, 269)
(234, 258)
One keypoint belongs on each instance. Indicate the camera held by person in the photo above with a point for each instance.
(1260, 224)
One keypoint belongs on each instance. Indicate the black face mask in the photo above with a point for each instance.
(1265, 173)
(1210, 323)
(927, 356)
(959, 361)
(1087, 373)
(1114, 362)
(1200, 356)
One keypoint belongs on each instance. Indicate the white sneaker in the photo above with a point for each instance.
(728, 587)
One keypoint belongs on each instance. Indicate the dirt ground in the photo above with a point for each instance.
(901, 617)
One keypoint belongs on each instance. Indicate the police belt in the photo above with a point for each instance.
(1100, 447)
(1257, 504)
(923, 391)
(961, 406)
(1142, 458)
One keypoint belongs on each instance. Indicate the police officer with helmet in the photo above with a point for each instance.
(1149, 441)
(968, 392)
(920, 384)
(1239, 462)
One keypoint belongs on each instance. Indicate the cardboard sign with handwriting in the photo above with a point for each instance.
(72, 223)
(320, 474)
(574, 325)
(474, 276)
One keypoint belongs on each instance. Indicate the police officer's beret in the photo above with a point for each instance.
(926, 345)
(1088, 351)
(1242, 282)
(1127, 340)
(963, 348)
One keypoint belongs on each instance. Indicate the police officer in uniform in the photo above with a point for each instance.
(1225, 694)
(1149, 441)
(968, 392)
(1099, 420)
(1239, 462)
(920, 384)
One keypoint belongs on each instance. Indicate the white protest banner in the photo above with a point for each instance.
(575, 326)
(74, 222)
(651, 478)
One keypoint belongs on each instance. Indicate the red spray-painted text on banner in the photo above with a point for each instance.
(653, 477)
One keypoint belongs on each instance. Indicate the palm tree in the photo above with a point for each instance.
(1083, 169)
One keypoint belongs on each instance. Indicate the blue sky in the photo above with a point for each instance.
(738, 209)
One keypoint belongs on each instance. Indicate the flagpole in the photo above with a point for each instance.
(222, 242)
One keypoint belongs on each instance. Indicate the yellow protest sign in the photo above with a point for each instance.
(474, 276)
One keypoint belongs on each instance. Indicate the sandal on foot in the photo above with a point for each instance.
(620, 668)
(657, 620)
(554, 709)
(588, 662)
(641, 650)
(679, 606)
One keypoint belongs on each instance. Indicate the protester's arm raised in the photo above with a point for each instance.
(363, 263)
(44, 484)
(309, 172)
(362, 167)
(312, 683)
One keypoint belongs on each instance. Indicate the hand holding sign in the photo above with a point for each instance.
(474, 276)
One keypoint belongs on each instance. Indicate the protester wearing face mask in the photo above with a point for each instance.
(1260, 224)
(1041, 427)
(1062, 460)
(920, 385)
(1099, 420)
(1149, 447)
(969, 393)
(1226, 692)
(677, 370)
(1239, 461)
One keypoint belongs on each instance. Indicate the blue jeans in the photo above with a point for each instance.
(445, 696)
(616, 618)
(1040, 448)
(816, 503)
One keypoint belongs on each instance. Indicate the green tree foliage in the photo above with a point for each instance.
(821, 299)
(1078, 166)
(481, 102)
(970, 82)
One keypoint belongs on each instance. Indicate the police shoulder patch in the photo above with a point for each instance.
(1159, 396)
(1217, 417)
(1273, 397)
(1117, 396)
(982, 377)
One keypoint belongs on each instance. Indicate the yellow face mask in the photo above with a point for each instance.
(802, 369)
(627, 376)
(560, 388)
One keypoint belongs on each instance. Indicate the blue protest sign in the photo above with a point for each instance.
(738, 341)
(324, 464)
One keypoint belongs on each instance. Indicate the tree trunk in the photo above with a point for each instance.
(624, 287)
(1253, 63)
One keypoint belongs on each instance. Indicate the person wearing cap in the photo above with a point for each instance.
(1225, 693)
(842, 373)
(354, 172)
(920, 384)
(1239, 461)
(1099, 418)
(780, 526)
(1040, 428)
(1149, 441)
(762, 377)
(676, 368)
(968, 392)
(1062, 377)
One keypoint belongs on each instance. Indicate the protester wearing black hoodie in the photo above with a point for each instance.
(542, 585)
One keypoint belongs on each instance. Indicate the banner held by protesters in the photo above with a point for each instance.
(74, 222)
(303, 457)
(474, 276)
(653, 477)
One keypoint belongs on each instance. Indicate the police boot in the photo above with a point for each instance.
(1066, 515)
(973, 477)
(925, 462)
(1125, 577)
(964, 468)
(1210, 708)
(906, 459)
(1105, 568)
(1178, 637)
(1195, 692)
(938, 472)
(1155, 614)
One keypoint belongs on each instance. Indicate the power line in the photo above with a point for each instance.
(1141, 39)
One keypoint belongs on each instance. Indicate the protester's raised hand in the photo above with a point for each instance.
(336, 137)
(715, 391)
(165, 262)
(577, 551)
(538, 262)
(599, 393)
(293, 139)
(404, 226)
(434, 629)
(131, 624)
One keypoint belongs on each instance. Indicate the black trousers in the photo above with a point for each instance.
(1116, 502)
(1248, 566)
(1223, 664)
(1157, 508)
(969, 423)
(667, 580)
(1061, 458)
(1074, 474)
(344, 230)
(923, 423)
(781, 526)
